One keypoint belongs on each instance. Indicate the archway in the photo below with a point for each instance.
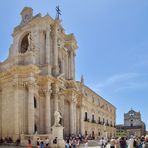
(24, 44)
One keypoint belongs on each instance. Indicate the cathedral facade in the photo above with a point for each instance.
(38, 78)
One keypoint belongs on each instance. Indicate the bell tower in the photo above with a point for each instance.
(42, 41)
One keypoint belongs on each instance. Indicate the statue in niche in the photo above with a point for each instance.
(57, 118)
(31, 45)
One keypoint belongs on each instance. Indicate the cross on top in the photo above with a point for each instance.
(58, 12)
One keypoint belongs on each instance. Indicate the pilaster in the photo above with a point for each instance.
(73, 114)
(48, 52)
(16, 109)
(55, 96)
(55, 48)
(31, 108)
(71, 64)
(82, 119)
(47, 111)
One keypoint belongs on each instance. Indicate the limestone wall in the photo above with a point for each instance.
(7, 111)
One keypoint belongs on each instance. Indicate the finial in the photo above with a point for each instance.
(82, 79)
(58, 12)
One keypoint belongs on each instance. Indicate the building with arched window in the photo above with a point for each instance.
(38, 78)
(133, 124)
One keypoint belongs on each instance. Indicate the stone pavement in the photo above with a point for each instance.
(93, 144)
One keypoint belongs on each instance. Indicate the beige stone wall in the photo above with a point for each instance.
(7, 110)
(66, 118)
(100, 108)
(22, 111)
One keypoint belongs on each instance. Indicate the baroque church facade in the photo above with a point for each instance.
(133, 124)
(38, 78)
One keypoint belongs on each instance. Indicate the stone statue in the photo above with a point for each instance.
(104, 127)
(31, 45)
(82, 79)
(57, 118)
(29, 41)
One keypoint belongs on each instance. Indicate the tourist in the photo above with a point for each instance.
(67, 145)
(86, 141)
(74, 143)
(29, 143)
(117, 144)
(55, 140)
(131, 142)
(102, 142)
(38, 143)
(17, 141)
(41, 144)
(122, 142)
(146, 142)
(112, 143)
(46, 142)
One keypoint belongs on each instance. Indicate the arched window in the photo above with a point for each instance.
(35, 103)
(93, 118)
(24, 44)
(85, 116)
(35, 128)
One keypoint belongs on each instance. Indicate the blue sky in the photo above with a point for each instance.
(112, 37)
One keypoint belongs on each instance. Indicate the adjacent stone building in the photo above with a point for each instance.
(133, 125)
(38, 78)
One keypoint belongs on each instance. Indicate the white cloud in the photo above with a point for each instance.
(119, 82)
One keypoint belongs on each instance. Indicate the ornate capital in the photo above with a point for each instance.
(31, 86)
(55, 88)
(17, 84)
(47, 92)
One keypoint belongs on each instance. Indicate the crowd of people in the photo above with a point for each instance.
(132, 142)
(9, 140)
(74, 141)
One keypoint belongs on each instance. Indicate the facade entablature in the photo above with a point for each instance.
(20, 71)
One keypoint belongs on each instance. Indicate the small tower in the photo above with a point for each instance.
(26, 14)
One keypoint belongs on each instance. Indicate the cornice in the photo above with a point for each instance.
(44, 80)
(35, 21)
(20, 70)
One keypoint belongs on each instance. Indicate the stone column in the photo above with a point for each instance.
(73, 116)
(16, 111)
(82, 119)
(31, 109)
(71, 65)
(47, 112)
(48, 46)
(62, 66)
(66, 65)
(55, 50)
(55, 97)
